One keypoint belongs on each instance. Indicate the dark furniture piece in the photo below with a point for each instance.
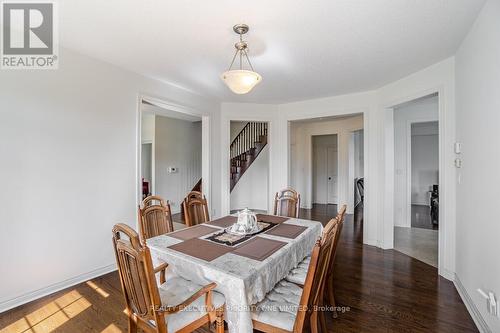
(434, 203)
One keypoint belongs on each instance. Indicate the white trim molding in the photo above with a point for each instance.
(206, 142)
(39, 293)
(471, 307)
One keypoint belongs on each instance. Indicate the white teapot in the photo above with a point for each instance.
(247, 222)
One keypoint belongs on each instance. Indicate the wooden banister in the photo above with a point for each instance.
(245, 148)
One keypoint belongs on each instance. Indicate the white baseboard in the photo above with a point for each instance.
(448, 275)
(471, 307)
(371, 242)
(33, 295)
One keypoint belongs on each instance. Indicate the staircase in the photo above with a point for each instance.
(245, 148)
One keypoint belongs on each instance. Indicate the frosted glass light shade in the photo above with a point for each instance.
(241, 81)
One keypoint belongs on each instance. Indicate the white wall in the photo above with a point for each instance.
(478, 119)
(71, 139)
(148, 127)
(424, 161)
(253, 187)
(356, 163)
(424, 109)
(147, 164)
(177, 144)
(301, 163)
(147, 153)
(358, 149)
(236, 127)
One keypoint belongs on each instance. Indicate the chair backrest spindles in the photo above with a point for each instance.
(287, 203)
(319, 267)
(136, 274)
(155, 217)
(195, 208)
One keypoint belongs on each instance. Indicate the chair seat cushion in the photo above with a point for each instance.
(175, 291)
(299, 273)
(280, 306)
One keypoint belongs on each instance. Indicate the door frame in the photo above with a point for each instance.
(206, 142)
(446, 225)
(312, 169)
(153, 159)
(341, 135)
(408, 162)
(226, 163)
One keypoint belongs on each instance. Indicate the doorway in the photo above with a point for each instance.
(325, 169)
(321, 163)
(416, 179)
(249, 160)
(172, 152)
(424, 175)
(147, 163)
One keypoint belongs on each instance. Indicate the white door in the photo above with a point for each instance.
(332, 179)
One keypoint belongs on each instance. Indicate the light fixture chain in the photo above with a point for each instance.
(248, 59)
(234, 58)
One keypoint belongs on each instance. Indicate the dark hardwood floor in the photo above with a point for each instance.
(421, 217)
(385, 291)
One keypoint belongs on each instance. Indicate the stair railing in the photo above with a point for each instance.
(246, 138)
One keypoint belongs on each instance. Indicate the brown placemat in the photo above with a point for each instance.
(271, 218)
(201, 249)
(224, 222)
(259, 248)
(286, 230)
(193, 232)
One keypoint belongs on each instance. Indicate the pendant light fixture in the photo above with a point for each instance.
(241, 81)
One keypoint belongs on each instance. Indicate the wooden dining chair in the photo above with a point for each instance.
(178, 305)
(195, 208)
(154, 200)
(155, 217)
(329, 278)
(298, 274)
(288, 307)
(287, 203)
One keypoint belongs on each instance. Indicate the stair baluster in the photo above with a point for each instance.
(245, 148)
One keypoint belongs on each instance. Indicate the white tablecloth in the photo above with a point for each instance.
(243, 281)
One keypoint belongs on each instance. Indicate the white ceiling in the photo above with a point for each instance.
(303, 49)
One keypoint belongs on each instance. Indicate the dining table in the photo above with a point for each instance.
(245, 268)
